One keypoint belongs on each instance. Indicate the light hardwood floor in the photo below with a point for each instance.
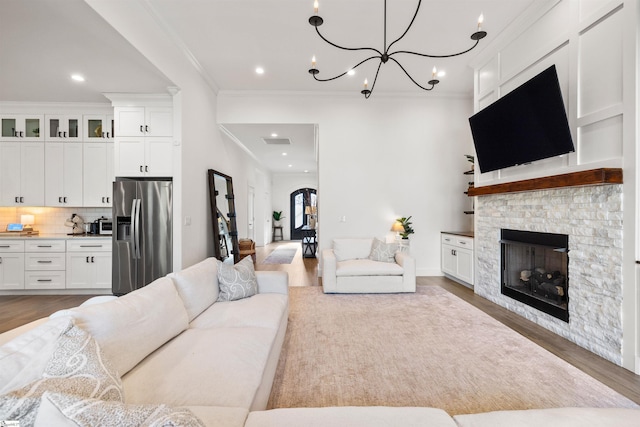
(18, 310)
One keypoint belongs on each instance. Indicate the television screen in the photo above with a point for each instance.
(527, 124)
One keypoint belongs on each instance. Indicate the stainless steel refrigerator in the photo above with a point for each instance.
(142, 232)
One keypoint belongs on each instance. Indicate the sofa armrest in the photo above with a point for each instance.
(273, 282)
(329, 266)
(408, 264)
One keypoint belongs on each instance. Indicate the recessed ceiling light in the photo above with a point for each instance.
(274, 135)
(77, 77)
(284, 154)
(290, 166)
(306, 171)
(441, 73)
(259, 70)
(351, 72)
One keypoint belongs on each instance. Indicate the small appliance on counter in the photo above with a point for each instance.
(77, 224)
(105, 226)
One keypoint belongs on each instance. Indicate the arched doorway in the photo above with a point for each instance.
(299, 201)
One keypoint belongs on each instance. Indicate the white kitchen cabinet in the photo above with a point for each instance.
(11, 264)
(457, 257)
(21, 174)
(22, 127)
(144, 121)
(63, 174)
(88, 264)
(144, 156)
(98, 127)
(44, 264)
(63, 128)
(98, 174)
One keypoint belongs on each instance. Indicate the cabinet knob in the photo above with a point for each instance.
(21, 199)
(141, 169)
(59, 134)
(87, 260)
(92, 259)
(65, 199)
(59, 199)
(146, 168)
(64, 134)
(141, 129)
(17, 199)
(108, 198)
(103, 200)
(0, 260)
(146, 128)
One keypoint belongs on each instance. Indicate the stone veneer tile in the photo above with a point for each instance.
(592, 217)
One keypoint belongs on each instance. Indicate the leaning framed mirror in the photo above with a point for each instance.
(223, 216)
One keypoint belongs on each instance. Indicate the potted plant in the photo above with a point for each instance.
(406, 224)
(277, 217)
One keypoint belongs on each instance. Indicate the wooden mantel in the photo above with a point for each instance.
(573, 179)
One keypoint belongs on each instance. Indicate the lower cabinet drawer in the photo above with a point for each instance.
(44, 261)
(44, 280)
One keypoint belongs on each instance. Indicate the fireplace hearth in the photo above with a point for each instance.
(535, 270)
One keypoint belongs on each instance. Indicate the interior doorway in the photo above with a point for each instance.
(299, 201)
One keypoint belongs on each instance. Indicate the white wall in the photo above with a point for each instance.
(281, 188)
(379, 159)
(199, 145)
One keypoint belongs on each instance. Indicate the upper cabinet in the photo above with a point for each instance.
(144, 121)
(98, 127)
(22, 127)
(21, 174)
(61, 128)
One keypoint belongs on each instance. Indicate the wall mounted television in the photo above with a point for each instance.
(527, 124)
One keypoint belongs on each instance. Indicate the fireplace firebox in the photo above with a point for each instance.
(535, 270)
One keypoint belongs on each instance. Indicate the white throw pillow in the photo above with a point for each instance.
(237, 281)
(345, 249)
(381, 251)
(76, 366)
(133, 326)
(197, 286)
(24, 359)
(59, 409)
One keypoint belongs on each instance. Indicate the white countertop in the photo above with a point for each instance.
(53, 236)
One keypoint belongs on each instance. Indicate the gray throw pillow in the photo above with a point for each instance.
(237, 281)
(381, 251)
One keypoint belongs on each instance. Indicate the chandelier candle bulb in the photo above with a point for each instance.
(480, 21)
(434, 72)
(366, 82)
(313, 62)
(315, 7)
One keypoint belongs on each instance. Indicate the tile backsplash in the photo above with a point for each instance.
(50, 220)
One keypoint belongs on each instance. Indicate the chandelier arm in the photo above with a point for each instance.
(347, 48)
(411, 78)
(436, 56)
(352, 68)
(405, 31)
(375, 79)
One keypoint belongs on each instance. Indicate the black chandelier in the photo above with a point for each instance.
(385, 55)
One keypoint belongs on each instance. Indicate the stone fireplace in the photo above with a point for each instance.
(591, 217)
(534, 270)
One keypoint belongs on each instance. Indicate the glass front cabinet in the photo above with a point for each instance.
(98, 128)
(22, 127)
(63, 127)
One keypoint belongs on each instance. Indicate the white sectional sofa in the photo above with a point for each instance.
(171, 351)
(367, 266)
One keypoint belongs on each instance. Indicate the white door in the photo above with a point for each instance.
(158, 155)
(129, 156)
(95, 164)
(158, 121)
(10, 173)
(129, 121)
(80, 272)
(32, 174)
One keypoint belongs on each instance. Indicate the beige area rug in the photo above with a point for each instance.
(425, 349)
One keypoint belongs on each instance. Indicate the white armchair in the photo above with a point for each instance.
(347, 268)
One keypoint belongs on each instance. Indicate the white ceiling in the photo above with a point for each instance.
(43, 41)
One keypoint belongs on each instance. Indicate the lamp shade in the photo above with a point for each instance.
(397, 227)
(27, 219)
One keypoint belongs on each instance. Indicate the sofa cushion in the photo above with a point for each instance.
(381, 251)
(24, 359)
(345, 249)
(220, 416)
(565, 417)
(131, 327)
(197, 286)
(202, 367)
(261, 310)
(237, 281)
(351, 416)
(76, 366)
(366, 267)
(59, 410)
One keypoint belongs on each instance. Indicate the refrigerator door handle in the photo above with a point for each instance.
(133, 228)
(137, 229)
